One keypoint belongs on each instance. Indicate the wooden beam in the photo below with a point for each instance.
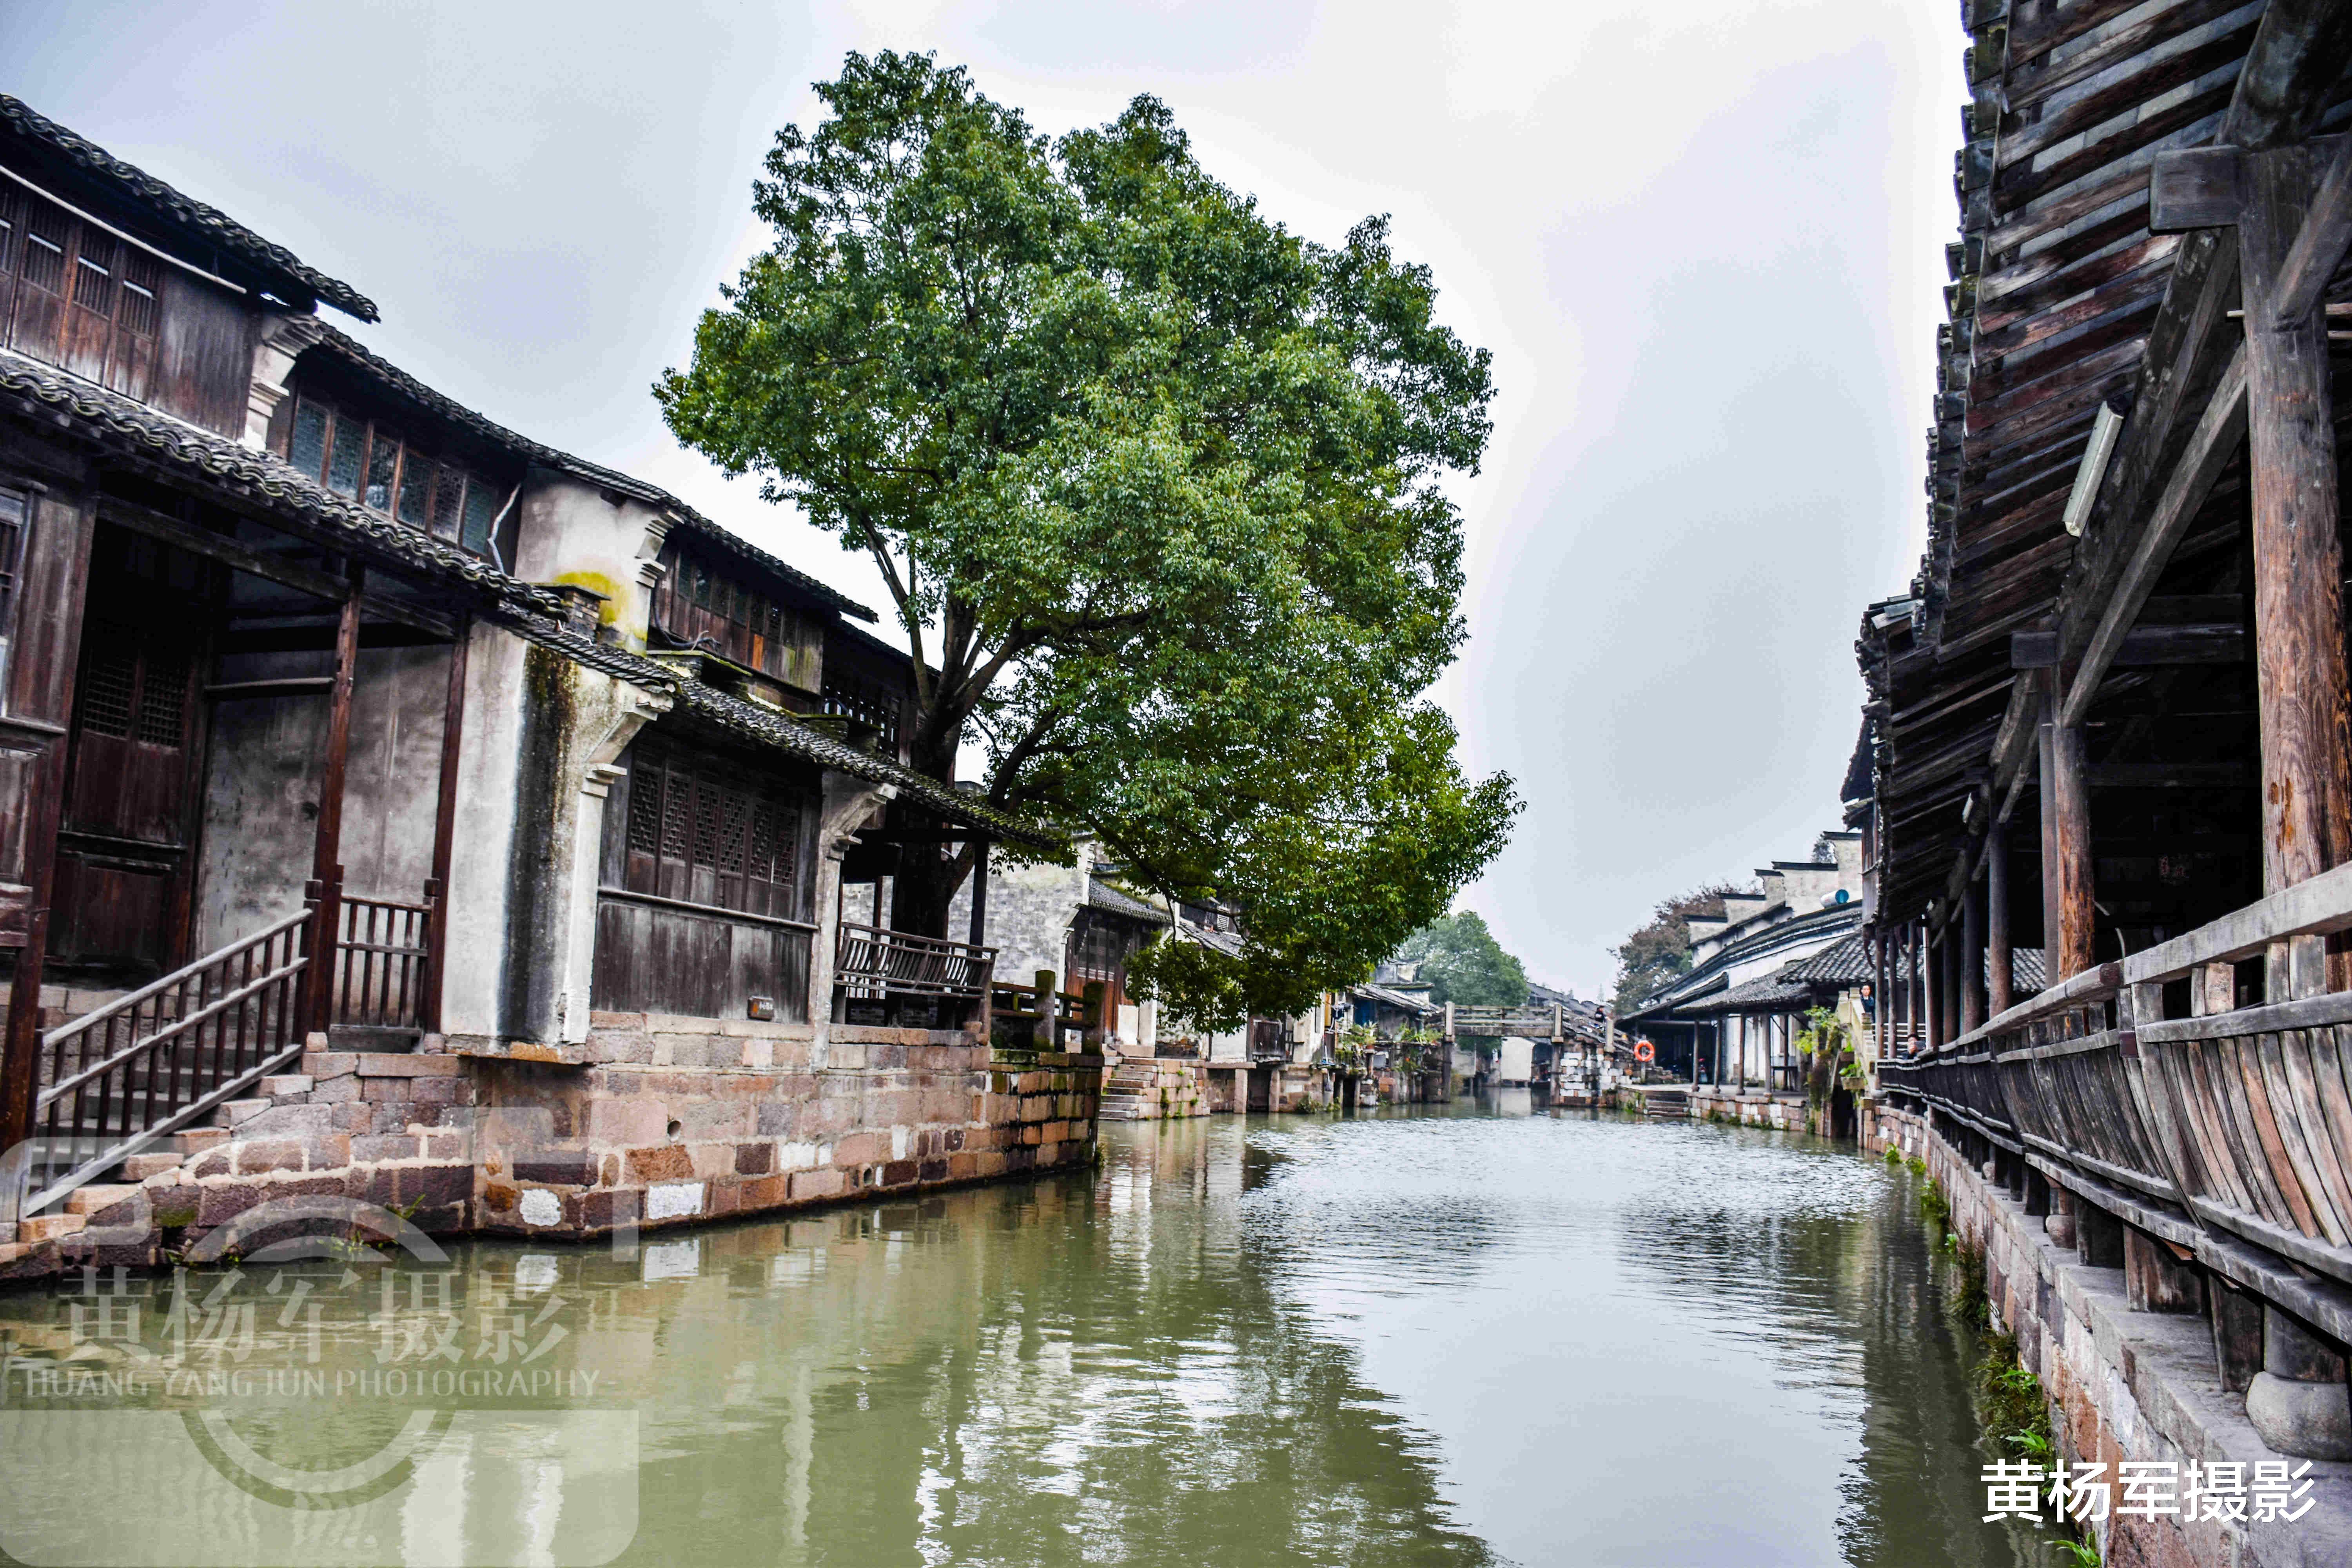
(2214, 441)
(2066, 863)
(324, 585)
(445, 831)
(2141, 648)
(2320, 245)
(326, 862)
(2000, 976)
(2167, 775)
(2300, 677)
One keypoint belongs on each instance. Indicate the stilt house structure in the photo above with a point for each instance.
(2109, 719)
(333, 714)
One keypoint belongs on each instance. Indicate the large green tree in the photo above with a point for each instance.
(1155, 486)
(1464, 964)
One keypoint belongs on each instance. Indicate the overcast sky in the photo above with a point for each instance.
(1704, 240)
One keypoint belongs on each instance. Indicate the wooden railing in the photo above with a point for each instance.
(2233, 1120)
(873, 963)
(118, 1079)
(382, 960)
(1018, 1012)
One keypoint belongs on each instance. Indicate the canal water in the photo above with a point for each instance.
(1464, 1335)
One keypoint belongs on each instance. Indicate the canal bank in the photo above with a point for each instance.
(2127, 1369)
(1457, 1334)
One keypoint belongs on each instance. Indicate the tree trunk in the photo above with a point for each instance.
(929, 873)
(928, 876)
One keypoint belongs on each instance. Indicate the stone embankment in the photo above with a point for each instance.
(660, 1122)
(2124, 1383)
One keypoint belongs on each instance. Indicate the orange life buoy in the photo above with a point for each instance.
(1644, 1052)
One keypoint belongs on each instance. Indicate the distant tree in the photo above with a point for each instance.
(1464, 964)
(1660, 950)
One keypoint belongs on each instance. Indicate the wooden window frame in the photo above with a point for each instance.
(689, 830)
(14, 539)
(474, 495)
(106, 331)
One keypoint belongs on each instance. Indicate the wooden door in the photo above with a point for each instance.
(126, 848)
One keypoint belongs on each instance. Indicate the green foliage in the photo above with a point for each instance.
(1970, 1304)
(1156, 489)
(2082, 1554)
(1894, 1156)
(1660, 950)
(1464, 964)
(1937, 1207)
(1918, 1167)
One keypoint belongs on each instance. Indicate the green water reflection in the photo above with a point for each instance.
(1468, 1336)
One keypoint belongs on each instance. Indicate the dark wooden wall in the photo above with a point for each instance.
(706, 877)
(75, 296)
(701, 600)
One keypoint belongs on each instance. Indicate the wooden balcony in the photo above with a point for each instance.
(891, 977)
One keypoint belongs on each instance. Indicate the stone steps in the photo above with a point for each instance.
(1666, 1107)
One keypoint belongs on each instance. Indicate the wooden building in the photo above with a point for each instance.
(2109, 718)
(334, 714)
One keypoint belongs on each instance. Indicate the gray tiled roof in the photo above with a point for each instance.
(208, 224)
(115, 421)
(1117, 900)
(442, 406)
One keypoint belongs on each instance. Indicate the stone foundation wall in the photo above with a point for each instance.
(669, 1123)
(1750, 1107)
(2123, 1384)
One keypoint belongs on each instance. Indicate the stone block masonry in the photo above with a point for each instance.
(2125, 1383)
(664, 1123)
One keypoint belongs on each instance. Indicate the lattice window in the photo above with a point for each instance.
(93, 287)
(109, 679)
(677, 806)
(706, 827)
(142, 280)
(683, 814)
(644, 812)
(47, 233)
(163, 699)
(763, 840)
(734, 807)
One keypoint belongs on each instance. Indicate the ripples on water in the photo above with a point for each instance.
(1455, 1337)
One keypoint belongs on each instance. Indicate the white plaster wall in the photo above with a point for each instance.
(483, 846)
(570, 534)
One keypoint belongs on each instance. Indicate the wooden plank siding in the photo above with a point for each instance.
(701, 603)
(705, 885)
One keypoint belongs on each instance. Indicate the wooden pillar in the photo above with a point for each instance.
(326, 859)
(1931, 982)
(1972, 963)
(1914, 986)
(2066, 887)
(444, 833)
(1955, 978)
(979, 937)
(2299, 667)
(2001, 971)
(52, 579)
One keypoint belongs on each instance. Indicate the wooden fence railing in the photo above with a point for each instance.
(383, 955)
(874, 963)
(116, 1080)
(2145, 1076)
